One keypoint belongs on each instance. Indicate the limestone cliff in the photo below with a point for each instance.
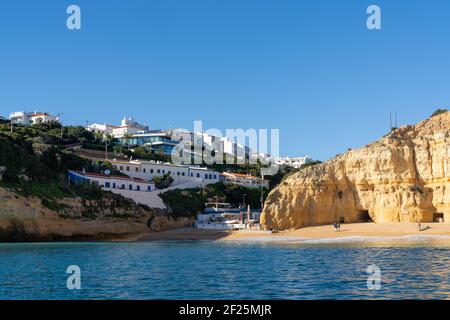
(27, 219)
(404, 176)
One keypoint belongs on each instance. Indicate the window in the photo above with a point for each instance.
(121, 168)
(136, 169)
(138, 188)
(158, 171)
(182, 174)
(143, 170)
(164, 171)
(123, 186)
(114, 185)
(128, 168)
(210, 177)
(107, 185)
(149, 188)
(151, 170)
(198, 175)
(169, 172)
(178, 173)
(215, 176)
(206, 176)
(130, 187)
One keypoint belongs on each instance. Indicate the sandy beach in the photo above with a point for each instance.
(320, 232)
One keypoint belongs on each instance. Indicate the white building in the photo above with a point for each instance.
(295, 162)
(235, 148)
(147, 170)
(29, 118)
(138, 190)
(245, 180)
(110, 182)
(127, 126)
(101, 128)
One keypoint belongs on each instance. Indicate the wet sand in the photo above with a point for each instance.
(319, 232)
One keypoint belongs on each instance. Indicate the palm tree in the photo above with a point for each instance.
(107, 137)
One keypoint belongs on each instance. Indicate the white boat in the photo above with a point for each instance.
(220, 216)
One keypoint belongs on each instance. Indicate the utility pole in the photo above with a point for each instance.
(390, 121)
(11, 122)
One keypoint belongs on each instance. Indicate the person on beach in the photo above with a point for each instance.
(336, 226)
(422, 228)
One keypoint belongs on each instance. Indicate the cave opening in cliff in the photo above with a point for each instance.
(438, 217)
(363, 216)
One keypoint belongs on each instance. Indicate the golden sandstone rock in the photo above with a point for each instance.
(403, 177)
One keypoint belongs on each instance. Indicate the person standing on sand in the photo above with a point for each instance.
(336, 226)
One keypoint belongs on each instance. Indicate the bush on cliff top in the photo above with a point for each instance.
(438, 112)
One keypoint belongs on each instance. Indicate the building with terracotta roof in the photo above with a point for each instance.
(30, 118)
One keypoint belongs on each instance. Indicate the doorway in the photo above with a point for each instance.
(363, 216)
(438, 217)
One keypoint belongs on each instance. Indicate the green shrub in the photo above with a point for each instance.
(163, 182)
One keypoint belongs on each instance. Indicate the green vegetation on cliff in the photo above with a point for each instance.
(189, 202)
(35, 161)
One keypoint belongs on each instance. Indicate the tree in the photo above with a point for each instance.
(163, 182)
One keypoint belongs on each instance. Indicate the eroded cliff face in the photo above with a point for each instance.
(26, 219)
(405, 176)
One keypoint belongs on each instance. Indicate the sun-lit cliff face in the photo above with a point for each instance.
(405, 176)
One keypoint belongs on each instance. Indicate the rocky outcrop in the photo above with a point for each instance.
(165, 222)
(405, 176)
(27, 219)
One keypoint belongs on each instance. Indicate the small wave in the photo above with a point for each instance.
(350, 239)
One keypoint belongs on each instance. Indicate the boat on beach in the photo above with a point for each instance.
(222, 216)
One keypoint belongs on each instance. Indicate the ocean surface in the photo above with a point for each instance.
(410, 268)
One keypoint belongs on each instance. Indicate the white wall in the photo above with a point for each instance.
(180, 174)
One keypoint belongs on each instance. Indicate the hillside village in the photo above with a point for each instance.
(133, 161)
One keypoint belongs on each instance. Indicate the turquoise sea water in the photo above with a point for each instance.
(413, 268)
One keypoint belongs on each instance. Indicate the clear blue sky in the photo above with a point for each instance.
(310, 68)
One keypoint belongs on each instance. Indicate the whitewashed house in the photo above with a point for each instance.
(127, 126)
(148, 170)
(294, 162)
(138, 190)
(30, 118)
(112, 181)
